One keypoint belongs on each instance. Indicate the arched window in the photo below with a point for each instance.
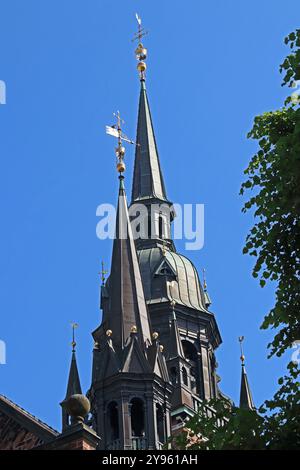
(173, 375)
(149, 226)
(137, 418)
(113, 421)
(160, 226)
(184, 376)
(160, 421)
(190, 353)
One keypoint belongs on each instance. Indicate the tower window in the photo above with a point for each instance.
(160, 227)
(113, 421)
(137, 418)
(173, 375)
(184, 376)
(160, 424)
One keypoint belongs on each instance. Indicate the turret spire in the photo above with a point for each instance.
(147, 179)
(127, 311)
(73, 386)
(246, 400)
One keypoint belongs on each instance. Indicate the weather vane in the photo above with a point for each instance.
(141, 51)
(116, 131)
(73, 344)
(241, 339)
(102, 273)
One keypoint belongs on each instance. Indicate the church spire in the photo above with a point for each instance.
(246, 400)
(148, 180)
(127, 311)
(73, 386)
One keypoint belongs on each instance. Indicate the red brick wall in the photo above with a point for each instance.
(14, 437)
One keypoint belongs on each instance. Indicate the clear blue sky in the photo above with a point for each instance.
(213, 65)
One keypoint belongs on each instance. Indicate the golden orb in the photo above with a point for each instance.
(108, 333)
(121, 167)
(133, 329)
(243, 358)
(161, 348)
(120, 151)
(141, 52)
(141, 66)
(155, 335)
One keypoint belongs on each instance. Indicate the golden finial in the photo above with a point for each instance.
(116, 131)
(161, 348)
(102, 273)
(141, 51)
(133, 329)
(204, 279)
(109, 333)
(73, 344)
(173, 303)
(241, 339)
(155, 335)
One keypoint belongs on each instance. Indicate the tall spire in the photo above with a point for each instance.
(73, 386)
(246, 400)
(127, 311)
(148, 180)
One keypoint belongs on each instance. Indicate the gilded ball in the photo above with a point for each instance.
(121, 167)
(141, 66)
(77, 406)
(155, 335)
(108, 333)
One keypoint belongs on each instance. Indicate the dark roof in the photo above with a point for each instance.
(246, 400)
(148, 180)
(127, 306)
(186, 288)
(26, 419)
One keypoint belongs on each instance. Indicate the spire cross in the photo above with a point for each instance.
(141, 31)
(116, 131)
(102, 273)
(241, 339)
(73, 344)
(141, 51)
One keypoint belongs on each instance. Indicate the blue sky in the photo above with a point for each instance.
(67, 66)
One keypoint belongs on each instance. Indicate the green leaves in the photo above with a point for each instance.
(274, 175)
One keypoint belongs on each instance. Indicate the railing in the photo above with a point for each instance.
(139, 443)
(114, 445)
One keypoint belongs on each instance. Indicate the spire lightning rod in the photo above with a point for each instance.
(241, 339)
(73, 344)
(204, 279)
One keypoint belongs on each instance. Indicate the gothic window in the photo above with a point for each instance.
(173, 375)
(184, 376)
(113, 421)
(137, 418)
(190, 353)
(149, 227)
(160, 424)
(160, 227)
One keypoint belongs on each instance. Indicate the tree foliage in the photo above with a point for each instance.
(276, 425)
(274, 180)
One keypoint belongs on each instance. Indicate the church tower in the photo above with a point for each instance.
(178, 304)
(131, 390)
(154, 355)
